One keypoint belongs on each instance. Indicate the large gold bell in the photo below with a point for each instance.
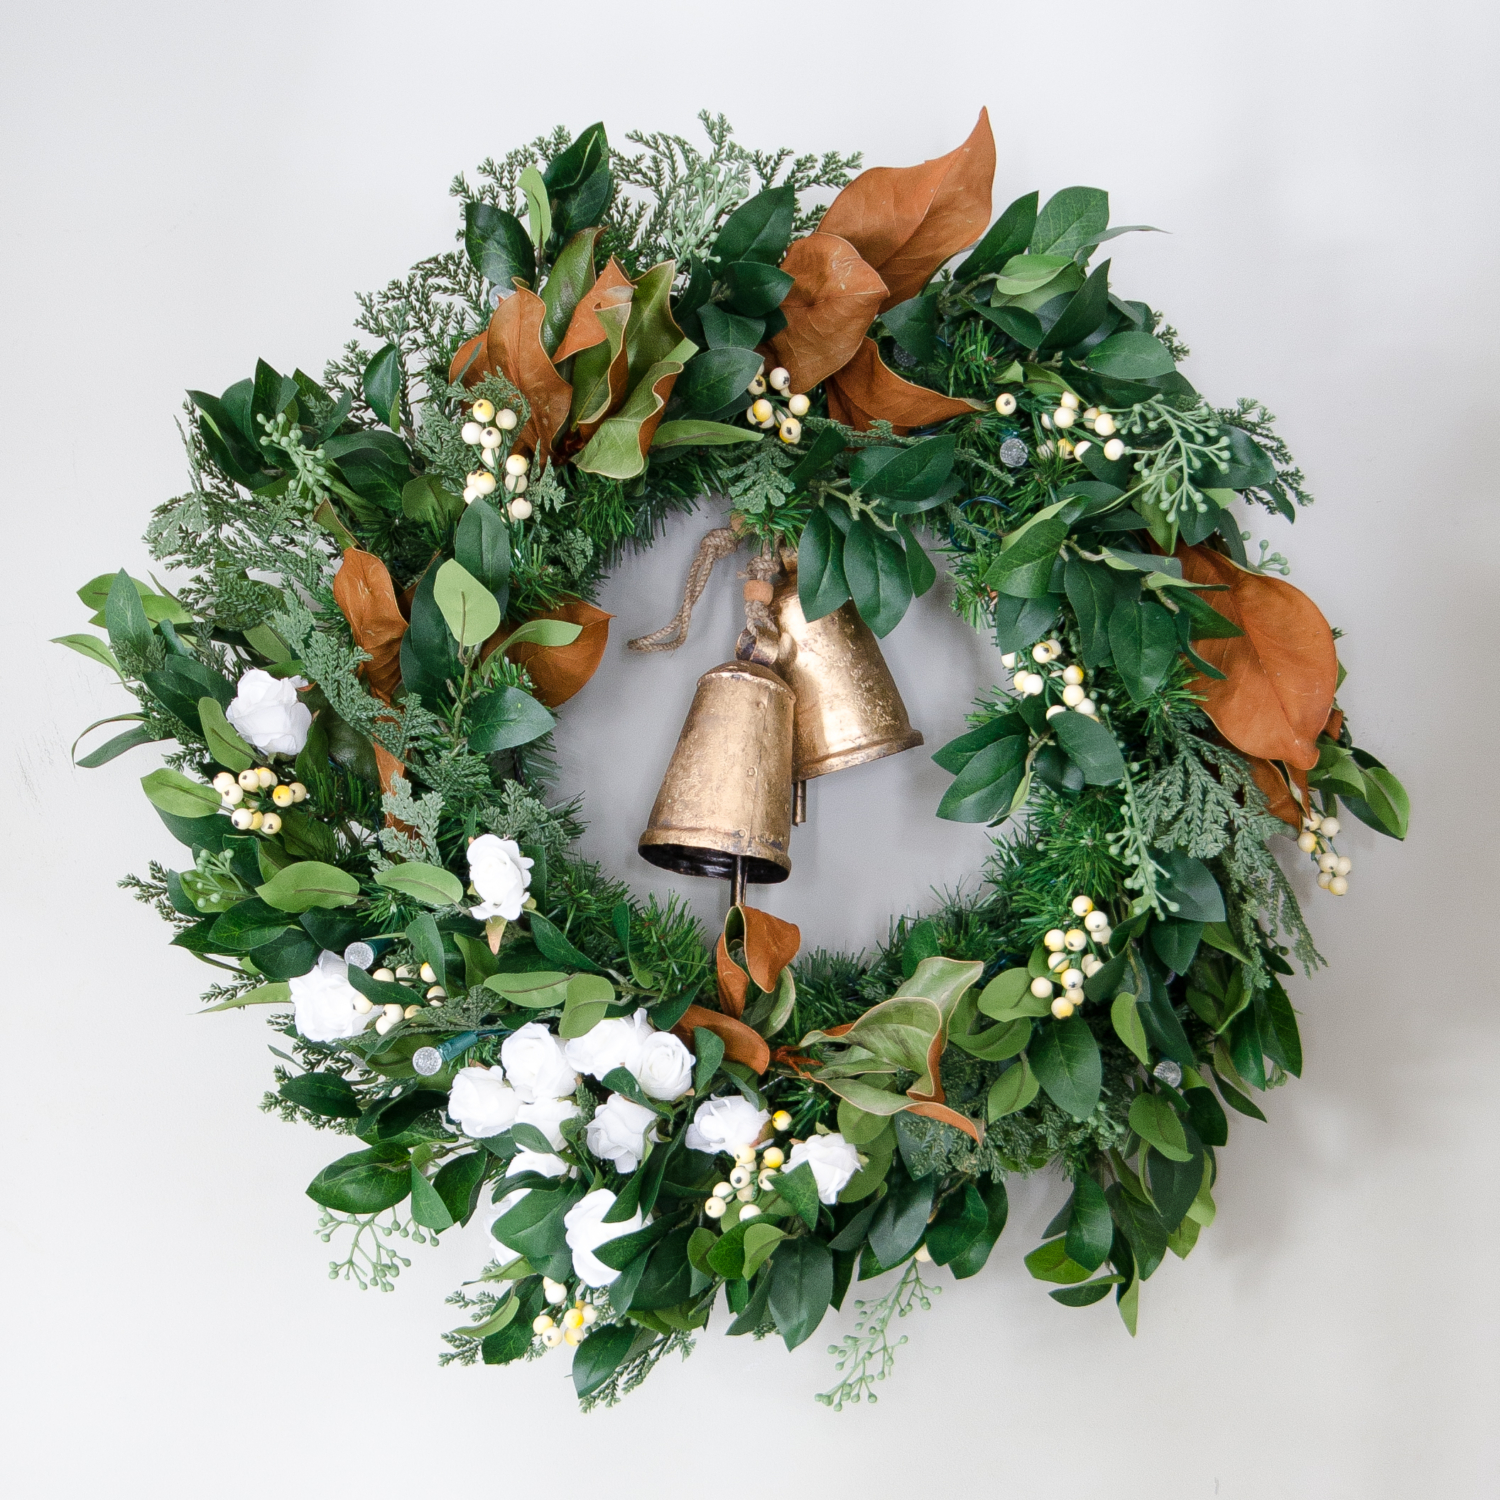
(725, 804)
(848, 707)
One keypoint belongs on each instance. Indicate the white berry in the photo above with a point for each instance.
(1088, 707)
(798, 405)
(517, 464)
(1330, 828)
(490, 437)
(506, 420)
(1041, 988)
(1055, 939)
(1344, 865)
(1073, 676)
(1062, 417)
(520, 509)
(1104, 424)
(1082, 905)
(790, 431)
(1077, 940)
(1114, 450)
(1072, 979)
(1073, 695)
(1339, 886)
(1008, 661)
(1307, 842)
(1096, 921)
(779, 378)
(1062, 1007)
(1005, 403)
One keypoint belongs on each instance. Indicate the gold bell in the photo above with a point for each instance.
(848, 707)
(725, 804)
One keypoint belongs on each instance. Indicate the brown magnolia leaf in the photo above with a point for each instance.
(557, 672)
(770, 945)
(391, 771)
(867, 390)
(661, 388)
(948, 1116)
(833, 300)
(1279, 799)
(472, 362)
(612, 289)
(734, 982)
(1280, 676)
(363, 591)
(906, 221)
(1335, 725)
(513, 344)
(741, 1044)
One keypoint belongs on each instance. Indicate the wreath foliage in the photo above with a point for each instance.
(385, 585)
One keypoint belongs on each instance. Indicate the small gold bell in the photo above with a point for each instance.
(848, 707)
(725, 804)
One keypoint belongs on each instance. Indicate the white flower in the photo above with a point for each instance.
(267, 712)
(832, 1159)
(665, 1069)
(617, 1132)
(725, 1125)
(586, 1232)
(325, 1001)
(536, 1064)
(500, 877)
(523, 1161)
(611, 1044)
(547, 1116)
(482, 1102)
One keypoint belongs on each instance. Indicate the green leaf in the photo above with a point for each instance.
(1012, 1091)
(429, 658)
(919, 566)
(430, 884)
(760, 229)
(693, 433)
(1190, 885)
(504, 718)
(309, 884)
(1065, 1059)
(800, 1189)
(1091, 747)
(498, 246)
(1142, 1227)
(224, 744)
(1155, 1121)
(1143, 640)
(568, 282)
(364, 1182)
(970, 1261)
(1284, 1040)
(537, 990)
(708, 1048)
(425, 499)
(1132, 355)
(1385, 805)
(92, 647)
(755, 288)
(382, 385)
(760, 1240)
(427, 1206)
(556, 947)
(913, 325)
(1069, 220)
(277, 993)
(1090, 1228)
(324, 1094)
(1007, 236)
(1126, 1019)
(544, 633)
(458, 1182)
(115, 746)
(481, 544)
(1050, 1262)
(1024, 568)
(1092, 593)
(960, 1221)
(879, 580)
(801, 1288)
(821, 584)
(713, 378)
(600, 1355)
(469, 608)
(1008, 997)
(538, 208)
(1087, 1293)
(983, 792)
(615, 449)
(125, 616)
(1086, 312)
(179, 795)
(914, 473)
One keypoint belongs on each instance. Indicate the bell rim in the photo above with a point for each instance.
(845, 760)
(711, 864)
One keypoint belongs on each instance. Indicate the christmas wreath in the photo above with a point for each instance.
(387, 580)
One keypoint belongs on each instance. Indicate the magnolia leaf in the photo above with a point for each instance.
(866, 391)
(557, 672)
(366, 597)
(834, 298)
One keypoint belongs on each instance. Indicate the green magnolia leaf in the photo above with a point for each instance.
(691, 433)
(1126, 1019)
(382, 385)
(504, 718)
(1091, 747)
(468, 607)
(224, 744)
(308, 885)
(615, 449)
(430, 884)
(1065, 1058)
(1155, 1121)
(1012, 1091)
(179, 795)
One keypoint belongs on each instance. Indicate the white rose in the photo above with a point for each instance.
(725, 1125)
(665, 1069)
(325, 1001)
(611, 1044)
(536, 1064)
(617, 1132)
(832, 1159)
(482, 1102)
(268, 713)
(500, 877)
(547, 1116)
(586, 1232)
(523, 1161)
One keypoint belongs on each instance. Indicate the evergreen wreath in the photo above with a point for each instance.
(388, 576)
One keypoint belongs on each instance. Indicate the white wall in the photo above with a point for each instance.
(186, 187)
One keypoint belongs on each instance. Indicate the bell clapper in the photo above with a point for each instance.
(799, 803)
(737, 882)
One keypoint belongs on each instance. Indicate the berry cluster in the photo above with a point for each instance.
(765, 414)
(1074, 956)
(1099, 422)
(241, 796)
(485, 430)
(393, 1014)
(574, 1323)
(745, 1182)
(1316, 838)
(1069, 680)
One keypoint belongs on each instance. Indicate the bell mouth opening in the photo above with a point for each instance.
(714, 864)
